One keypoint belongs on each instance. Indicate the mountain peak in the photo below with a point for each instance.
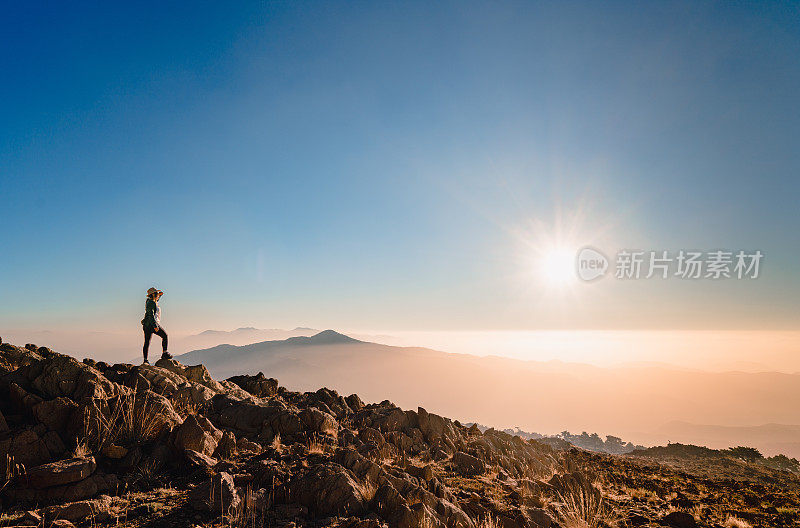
(328, 337)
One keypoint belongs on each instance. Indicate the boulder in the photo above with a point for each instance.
(226, 448)
(196, 373)
(354, 402)
(80, 510)
(198, 434)
(60, 375)
(433, 426)
(56, 413)
(216, 495)
(25, 447)
(258, 385)
(241, 416)
(468, 465)
(61, 472)
(329, 490)
(247, 446)
(61, 523)
(319, 422)
(31, 518)
(679, 519)
(199, 460)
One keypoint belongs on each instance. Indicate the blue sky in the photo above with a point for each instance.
(380, 165)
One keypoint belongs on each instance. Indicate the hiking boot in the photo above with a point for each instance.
(145, 362)
(166, 355)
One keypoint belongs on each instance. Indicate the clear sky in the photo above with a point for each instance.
(393, 166)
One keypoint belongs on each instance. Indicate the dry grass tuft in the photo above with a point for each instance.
(185, 406)
(368, 490)
(276, 443)
(11, 471)
(130, 418)
(579, 509)
(735, 522)
(250, 513)
(488, 522)
(315, 446)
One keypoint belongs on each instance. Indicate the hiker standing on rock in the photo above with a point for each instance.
(151, 324)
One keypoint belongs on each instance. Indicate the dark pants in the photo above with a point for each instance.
(148, 334)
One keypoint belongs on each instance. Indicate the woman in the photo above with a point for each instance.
(151, 324)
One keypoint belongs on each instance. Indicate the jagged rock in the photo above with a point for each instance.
(362, 523)
(12, 357)
(319, 422)
(354, 402)
(329, 490)
(217, 495)
(31, 518)
(198, 434)
(247, 446)
(61, 375)
(242, 416)
(196, 373)
(368, 434)
(258, 385)
(80, 510)
(61, 523)
(199, 460)
(540, 518)
(56, 413)
(20, 398)
(61, 472)
(433, 426)
(226, 448)
(679, 519)
(284, 422)
(53, 443)
(89, 487)
(468, 465)
(25, 447)
(636, 519)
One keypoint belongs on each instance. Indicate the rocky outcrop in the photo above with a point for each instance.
(217, 495)
(258, 385)
(75, 434)
(198, 434)
(468, 465)
(329, 490)
(61, 472)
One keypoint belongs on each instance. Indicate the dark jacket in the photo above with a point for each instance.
(149, 322)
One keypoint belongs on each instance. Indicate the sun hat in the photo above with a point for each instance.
(151, 291)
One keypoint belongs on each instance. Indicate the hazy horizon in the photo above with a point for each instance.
(709, 350)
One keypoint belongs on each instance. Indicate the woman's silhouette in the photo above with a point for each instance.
(151, 324)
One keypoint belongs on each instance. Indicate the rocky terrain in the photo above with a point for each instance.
(92, 444)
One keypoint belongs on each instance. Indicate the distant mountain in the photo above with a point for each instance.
(553, 396)
(240, 336)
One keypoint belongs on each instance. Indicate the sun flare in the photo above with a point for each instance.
(556, 267)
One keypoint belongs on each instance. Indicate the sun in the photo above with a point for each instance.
(556, 266)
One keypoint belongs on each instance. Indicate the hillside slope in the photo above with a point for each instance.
(124, 445)
(548, 397)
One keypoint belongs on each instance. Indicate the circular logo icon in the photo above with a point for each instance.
(590, 264)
